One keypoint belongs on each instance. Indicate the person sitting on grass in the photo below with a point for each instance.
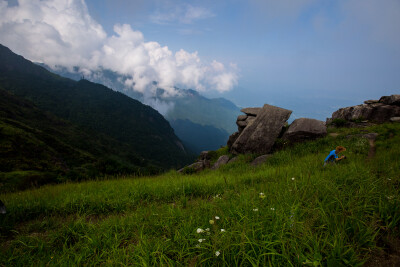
(333, 155)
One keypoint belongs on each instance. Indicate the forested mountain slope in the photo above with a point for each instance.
(95, 107)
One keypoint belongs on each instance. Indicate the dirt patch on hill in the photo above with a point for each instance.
(388, 256)
(372, 149)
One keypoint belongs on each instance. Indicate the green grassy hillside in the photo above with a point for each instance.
(290, 211)
(95, 107)
(37, 148)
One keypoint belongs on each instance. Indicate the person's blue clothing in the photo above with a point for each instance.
(332, 156)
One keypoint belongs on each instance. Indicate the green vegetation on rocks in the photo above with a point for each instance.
(289, 211)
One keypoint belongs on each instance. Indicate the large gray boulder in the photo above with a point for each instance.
(259, 137)
(305, 129)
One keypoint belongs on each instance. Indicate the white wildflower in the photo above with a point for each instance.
(262, 195)
(216, 217)
(217, 253)
(211, 221)
(199, 231)
(255, 209)
(201, 240)
(272, 208)
(223, 230)
(292, 178)
(207, 229)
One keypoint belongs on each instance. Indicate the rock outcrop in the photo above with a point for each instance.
(304, 129)
(378, 111)
(260, 130)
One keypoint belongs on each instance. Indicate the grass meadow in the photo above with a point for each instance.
(289, 211)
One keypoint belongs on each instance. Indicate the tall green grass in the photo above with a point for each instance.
(306, 214)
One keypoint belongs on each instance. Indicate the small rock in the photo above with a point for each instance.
(390, 100)
(241, 124)
(197, 167)
(371, 101)
(261, 159)
(206, 163)
(251, 111)
(241, 118)
(204, 155)
(221, 161)
(395, 119)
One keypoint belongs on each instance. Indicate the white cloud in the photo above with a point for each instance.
(61, 32)
(186, 14)
(194, 13)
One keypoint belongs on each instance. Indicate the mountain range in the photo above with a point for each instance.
(78, 124)
(189, 113)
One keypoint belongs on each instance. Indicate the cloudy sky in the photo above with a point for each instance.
(311, 56)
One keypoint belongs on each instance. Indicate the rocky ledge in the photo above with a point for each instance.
(259, 129)
(386, 109)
